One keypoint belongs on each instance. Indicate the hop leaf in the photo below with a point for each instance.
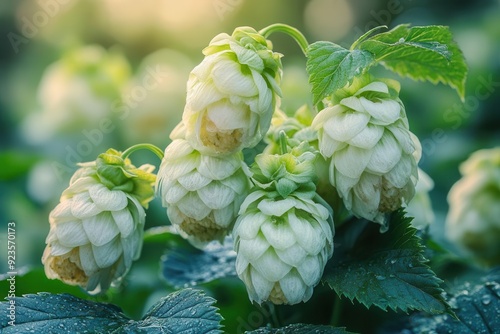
(331, 67)
(385, 270)
(188, 311)
(421, 53)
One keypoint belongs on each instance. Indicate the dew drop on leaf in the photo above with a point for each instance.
(486, 300)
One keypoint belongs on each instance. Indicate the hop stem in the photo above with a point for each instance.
(143, 146)
(289, 30)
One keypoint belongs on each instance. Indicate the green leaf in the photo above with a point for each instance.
(187, 266)
(386, 270)
(331, 67)
(300, 329)
(160, 234)
(46, 313)
(421, 53)
(477, 309)
(183, 311)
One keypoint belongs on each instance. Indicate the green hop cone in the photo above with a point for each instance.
(284, 234)
(473, 219)
(202, 193)
(232, 93)
(96, 229)
(373, 155)
(297, 129)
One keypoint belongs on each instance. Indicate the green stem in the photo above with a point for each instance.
(143, 146)
(273, 310)
(289, 30)
(283, 142)
(336, 312)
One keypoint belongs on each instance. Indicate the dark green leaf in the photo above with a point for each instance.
(187, 266)
(386, 270)
(188, 311)
(331, 67)
(301, 329)
(63, 313)
(421, 53)
(185, 311)
(477, 308)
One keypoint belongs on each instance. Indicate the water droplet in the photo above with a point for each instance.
(401, 40)
(380, 277)
(393, 261)
(486, 300)
(495, 287)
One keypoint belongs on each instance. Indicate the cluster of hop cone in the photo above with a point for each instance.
(358, 149)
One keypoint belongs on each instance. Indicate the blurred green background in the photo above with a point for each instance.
(79, 76)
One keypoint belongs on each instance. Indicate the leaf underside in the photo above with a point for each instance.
(188, 266)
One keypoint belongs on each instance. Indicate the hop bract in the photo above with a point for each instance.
(284, 235)
(473, 219)
(232, 94)
(96, 229)
(202, 193)
(365, 134)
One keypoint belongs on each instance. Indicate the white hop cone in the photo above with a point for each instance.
(232, 93)
(473, 219)
(96, 229)
(283, 236)
(202, 193)
(373, 155)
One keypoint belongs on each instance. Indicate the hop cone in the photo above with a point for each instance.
(473, 220)
(77, 91)
(202, 193)
(96, 229)
(232, 93)
(365, 134)
(284, 235)
(297, 129)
